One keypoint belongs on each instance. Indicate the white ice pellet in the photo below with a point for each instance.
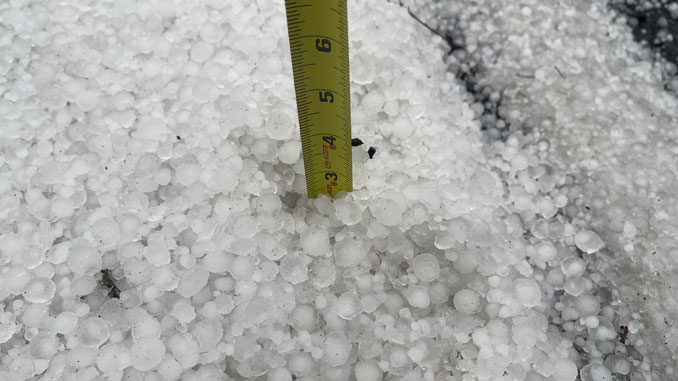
(241, 268)
(289, 152)
(367, 371)
(336, 349)
(348, 305)
(546, 251)
(386, 211)
(65, 322)
(113, 358)
(217, 261)
(187, 173)
(595, 372)
(293, 268)
(418, 296)
(16, 279)
(347, 212)
(279, 374)
(184, 349)
(527, 292)
(467, 301)
(201, 51)
(279, 126)
(573, 266)
(588, 242)
(62, 207)
(303, 317)
(315, 241)
(40, 290)
(84, 259)
(426, 267)
(146, 354)
(147, 165)
(349, 252)
(93, 331)
(106, 232)
(564, 370)
(192, 280)
(301, 364)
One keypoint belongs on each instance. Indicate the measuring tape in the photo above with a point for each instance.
(318, 31)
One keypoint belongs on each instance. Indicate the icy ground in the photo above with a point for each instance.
(154, 224)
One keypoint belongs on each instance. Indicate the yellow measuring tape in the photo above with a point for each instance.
(318, 31)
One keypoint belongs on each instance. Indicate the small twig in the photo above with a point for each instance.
(107, 281)
(624, 334)
(449, 41)
(527, 76)
(559, 72)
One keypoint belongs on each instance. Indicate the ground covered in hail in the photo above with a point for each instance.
(517, 222)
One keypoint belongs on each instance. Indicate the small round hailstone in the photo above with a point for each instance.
(587, 305)
(122, 100)
(289, 152)
(192, 281)
(201, 51)
(617, 364)
(467, 301)
(348, 305)
(65, 322)
(113, 358)
(267, 204)
(84, 259)
(347, 211)
(426, 267)
(546, 252)
(40, 290)
(301, 364)
(527, 292)
(439, 293)
(62, 207)
(217, 261)
(575, 285)
(367, 371)
(303, 317)
(16, 279)
(418, 297)
(324, 274)
(573, 266)
(336, 349)
(386, 211)
(315, 241)
(293, 268)
(588, 242)
(595, 372)
(279, 126)
(279, 374)
(241, 268)
(467, 261)
(564, 370)
(146, 354)
(43, 346)
(245, 226)
(169, 368)
(187, 173)
(349, 252)
(208, 333)
(147, 165)
(93, 331)
(105, 231)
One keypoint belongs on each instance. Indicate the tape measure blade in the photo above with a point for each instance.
(318, 32)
